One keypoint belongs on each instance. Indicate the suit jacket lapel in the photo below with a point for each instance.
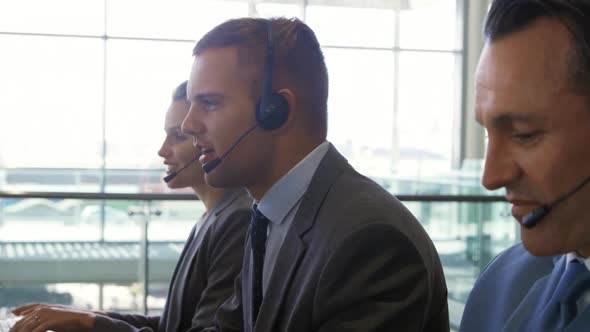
(328, 171)
(187, 261)
(294, 247)
(536, 298)
(522, 313)
(287, 264)
(174, 300)
(247, 286)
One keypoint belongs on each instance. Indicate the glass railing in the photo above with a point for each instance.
(118, 251)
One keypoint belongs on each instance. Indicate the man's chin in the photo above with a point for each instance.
(539, 245)
(217, 179)
(173, 185)
(213, 180)
(538, 251)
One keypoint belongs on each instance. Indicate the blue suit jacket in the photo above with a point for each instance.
(510, 288)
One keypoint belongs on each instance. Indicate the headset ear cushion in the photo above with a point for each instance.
(275, 114)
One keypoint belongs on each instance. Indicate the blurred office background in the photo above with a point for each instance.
(84, 85)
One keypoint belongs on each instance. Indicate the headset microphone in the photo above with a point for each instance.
(208, 167)
(531, 219)
(172, 175)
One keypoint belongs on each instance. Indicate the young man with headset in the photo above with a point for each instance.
(533, 98)
(328, 249)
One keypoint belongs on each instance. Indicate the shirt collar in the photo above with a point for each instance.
(573, 255)
(285, 193)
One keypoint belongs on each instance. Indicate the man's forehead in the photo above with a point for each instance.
(517, 78)
(539, 54)
(496, 106)
(216, 57)
(215, 66)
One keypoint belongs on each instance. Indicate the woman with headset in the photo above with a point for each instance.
(205, 272)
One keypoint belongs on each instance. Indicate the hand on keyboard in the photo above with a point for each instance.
(6, 324)
(42, 317)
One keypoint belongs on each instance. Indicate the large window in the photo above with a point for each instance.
(84, 87)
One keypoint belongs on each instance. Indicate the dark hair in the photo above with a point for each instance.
(508, 16)
(298, 59)
(180, 92)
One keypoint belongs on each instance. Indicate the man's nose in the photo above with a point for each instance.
(500, 168)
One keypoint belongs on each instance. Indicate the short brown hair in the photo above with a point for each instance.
(508, 16)
(298, 58)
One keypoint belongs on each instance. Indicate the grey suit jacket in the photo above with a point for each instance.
(510, 288)
(354, 259)
(204, 275)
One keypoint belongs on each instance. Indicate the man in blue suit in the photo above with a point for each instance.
(533, 98)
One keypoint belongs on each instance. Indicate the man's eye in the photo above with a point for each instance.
(527, 136)
(210, 105)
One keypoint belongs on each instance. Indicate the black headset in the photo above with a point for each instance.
(272, 109)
